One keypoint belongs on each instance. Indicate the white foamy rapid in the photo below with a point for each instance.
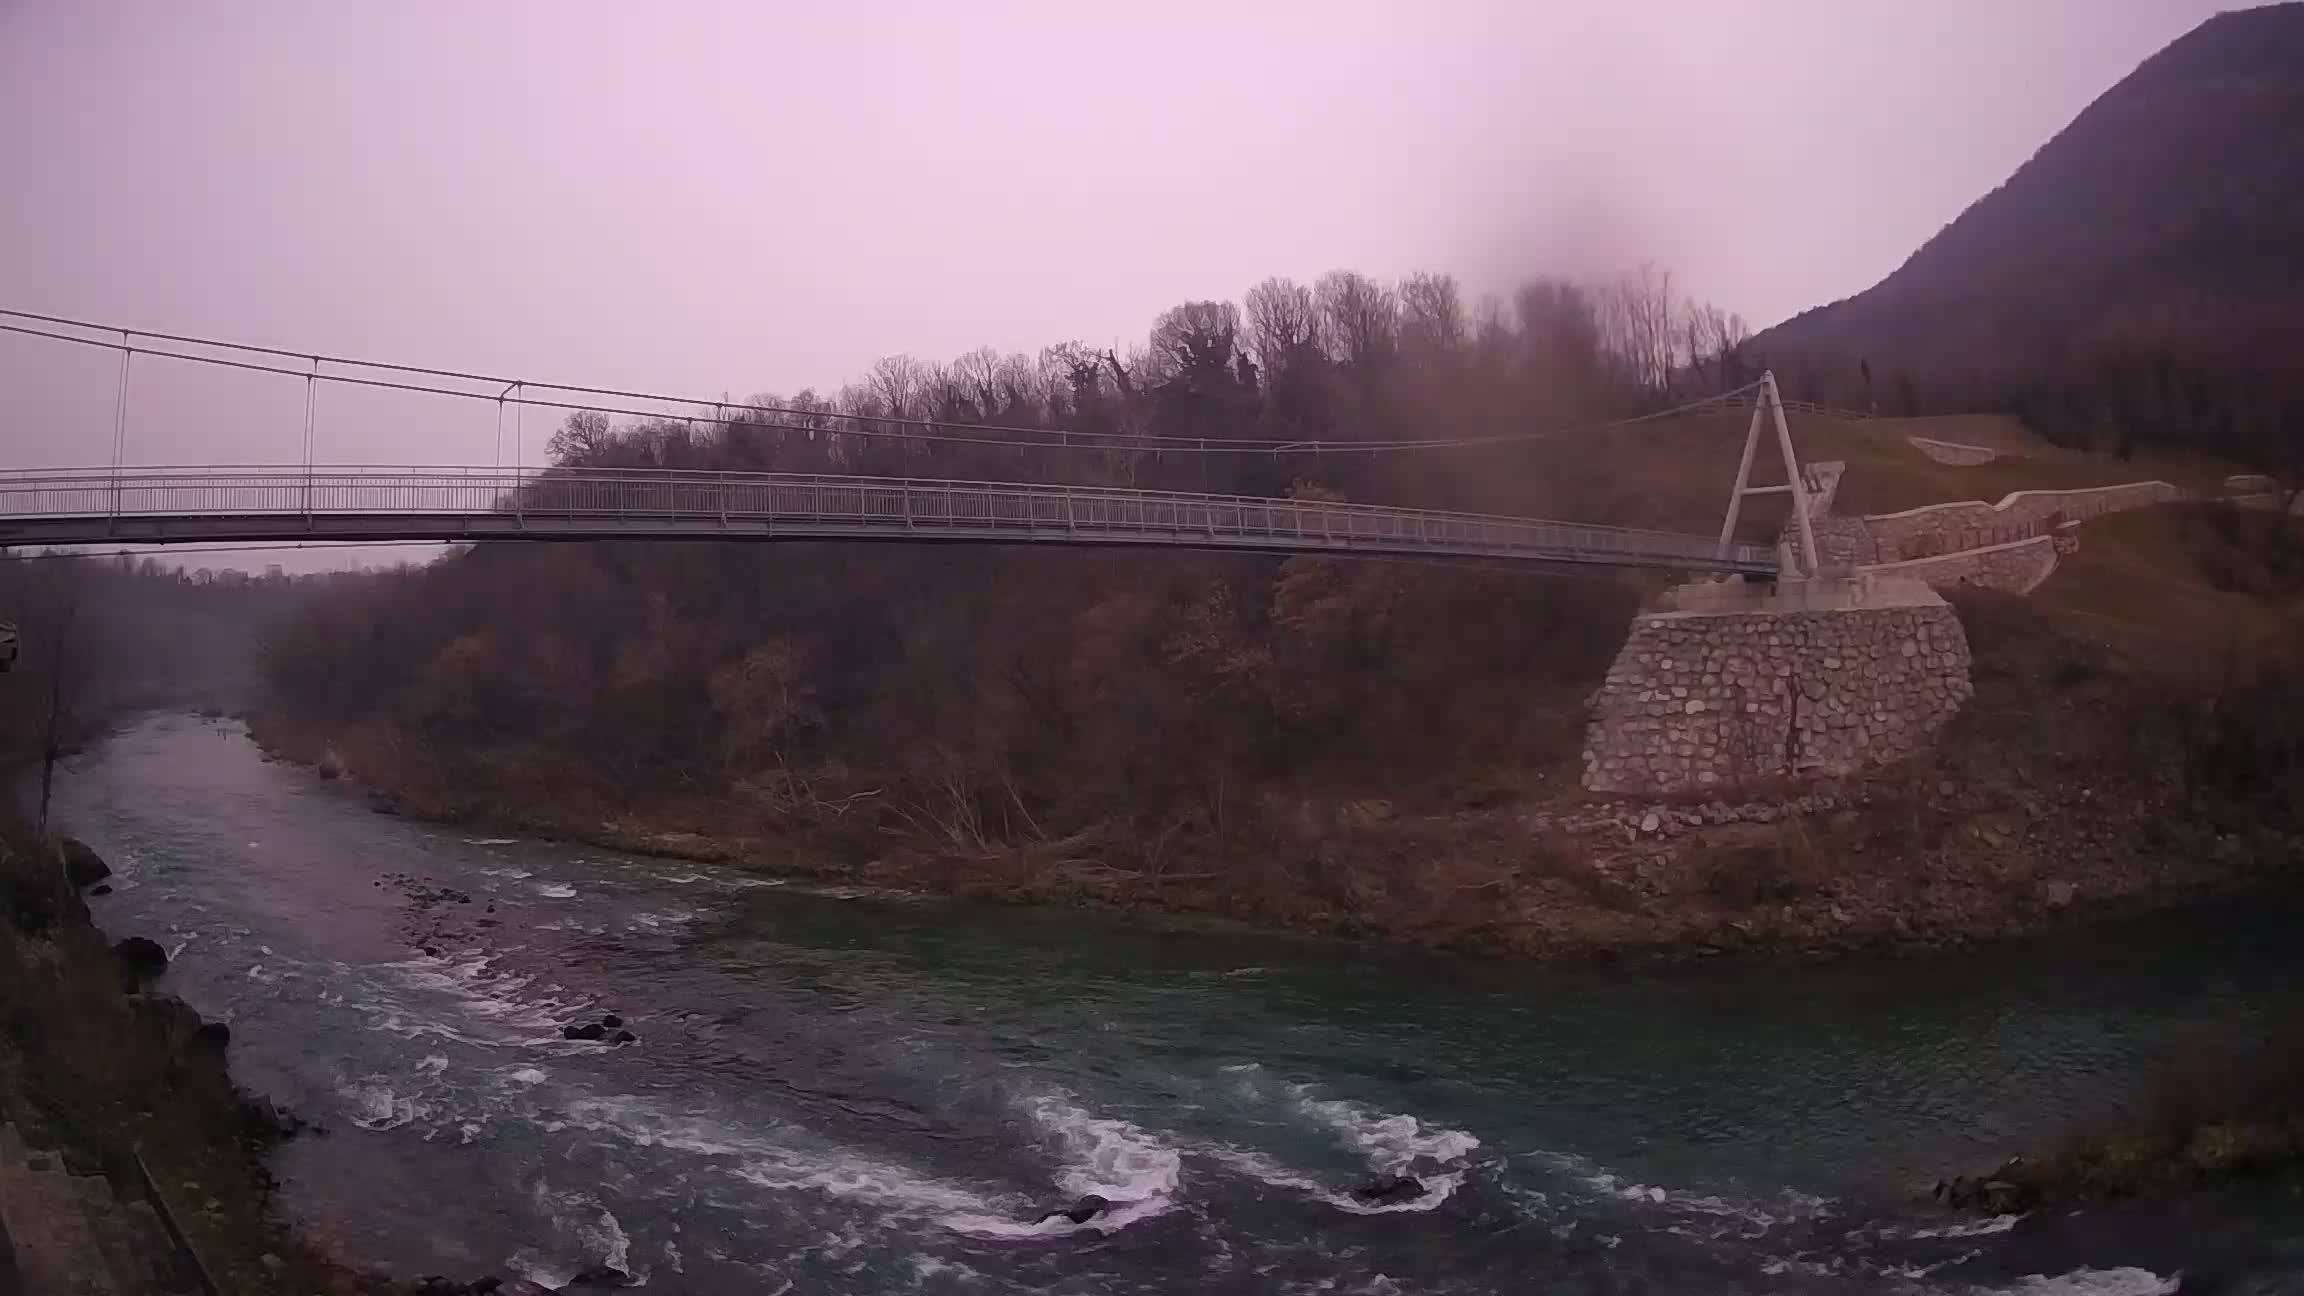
(1263, 1169)
(1968, 1229)
(555, 890)
(787, 1160)
(1392, 1143)
(463, 998)
(1101, 1156)
(593, 1232)
(2095, 1282)
(1718, 1216)
(1386, 1142)
(374, 1105)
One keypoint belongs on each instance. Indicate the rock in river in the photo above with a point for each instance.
(1387, 1189)
(141, 960)
(82, 865)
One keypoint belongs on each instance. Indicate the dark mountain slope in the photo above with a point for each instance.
(2166, 222)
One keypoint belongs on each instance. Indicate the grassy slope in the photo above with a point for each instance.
(1675, 474)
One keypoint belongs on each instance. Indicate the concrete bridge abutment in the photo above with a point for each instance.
(1729, 684)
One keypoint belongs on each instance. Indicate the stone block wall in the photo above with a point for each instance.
(1699, 703)
(1952, 452)
(1943, 528)
(2017, 567)
(1845, 541)
(2273, 500)
(1821, 480)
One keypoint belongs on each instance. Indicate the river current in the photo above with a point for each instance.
(839, 1092)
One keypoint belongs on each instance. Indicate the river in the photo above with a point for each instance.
(837, 1092)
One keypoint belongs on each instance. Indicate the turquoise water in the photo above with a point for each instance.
(841, 1092)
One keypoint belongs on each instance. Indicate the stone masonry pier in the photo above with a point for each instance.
(1731, 684)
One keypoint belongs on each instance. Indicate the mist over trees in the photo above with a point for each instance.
(103, 636)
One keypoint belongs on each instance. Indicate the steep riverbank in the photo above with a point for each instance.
(100, 1088)
(853, 1092)
(2067, 789)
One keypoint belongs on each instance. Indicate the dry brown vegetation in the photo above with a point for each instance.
(2220, 1105)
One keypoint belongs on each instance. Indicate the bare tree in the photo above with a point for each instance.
(1283, 324)
(899, 387)
(1432, 319)
(1637, 327)
(1714, 343)
(976, 378)
(584, 438)
(1195, 342)
(56, 633)
(1359, 319)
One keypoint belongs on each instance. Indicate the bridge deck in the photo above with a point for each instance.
(217, 505)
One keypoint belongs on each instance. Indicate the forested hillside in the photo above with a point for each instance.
(2139, 281)
(1134, 705)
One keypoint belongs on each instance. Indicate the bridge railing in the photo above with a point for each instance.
(756, 502)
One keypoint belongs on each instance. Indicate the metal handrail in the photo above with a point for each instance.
(135, 503)
(175, 1231)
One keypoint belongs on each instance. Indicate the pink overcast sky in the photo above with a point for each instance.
(746, 197)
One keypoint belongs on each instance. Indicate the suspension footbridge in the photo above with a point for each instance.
(219, 505)
(319, 503)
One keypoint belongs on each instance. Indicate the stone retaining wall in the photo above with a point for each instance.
(1944, 528)
(1952, 452)
(2273, 500)
(1700, 702)
(2017, 567)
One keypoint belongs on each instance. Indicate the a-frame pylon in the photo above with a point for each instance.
(1769, 404)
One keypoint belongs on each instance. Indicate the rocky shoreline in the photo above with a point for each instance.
(129, 1161)
(1907, 859)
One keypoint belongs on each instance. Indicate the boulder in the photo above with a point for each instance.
(611, 1021)
(623, 1037)
(435, 1285)
(586, 1031)
(82, 866)
(2000, 1197)
(331, 765)
(1385, 1190)
(1080, 1212)
(167, 1016)
(212, 1035)
(101, 889)
(141, 960)
(598, 1278)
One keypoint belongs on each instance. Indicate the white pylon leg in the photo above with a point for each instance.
(1792, 475)
(1768, 403)
(1736, 490)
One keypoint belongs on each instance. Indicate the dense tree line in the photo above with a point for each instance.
(978, 697)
